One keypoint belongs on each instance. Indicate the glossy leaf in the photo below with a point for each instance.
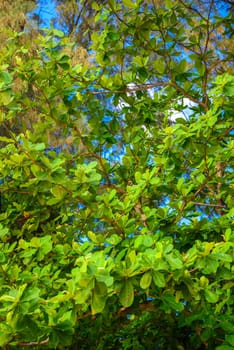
(126, 295)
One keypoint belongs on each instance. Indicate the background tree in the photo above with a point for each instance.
(78, 19)
(14, 18)
(20, 17)
(13, 14)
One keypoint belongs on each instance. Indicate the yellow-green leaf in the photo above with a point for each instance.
(126, 295)
(146, 280)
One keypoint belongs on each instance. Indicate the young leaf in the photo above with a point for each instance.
(146, 280)
(126, 295)
(130, 3)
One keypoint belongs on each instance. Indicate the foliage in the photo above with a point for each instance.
(13, 17)
(21, 16)
(13, 14)
(121, 237)
(77, 18)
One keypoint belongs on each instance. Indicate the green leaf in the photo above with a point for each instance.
(170, 302)
(159, 66)
(31, 294)
(130, 3)
(3, 231)
(95, 6)
(229, 90)
(98, 303)
(161, 265)
(174, 260)
(159, 279)
(229, 338)
(6, 139)
(182, 66)
(6, 78)
(5, 335)
(58, 33)
(2, 258)
(38, 147)
(126, 295)
(211, 297)
(228, 234)
(180, 184)
(66, 321)
(138, 177)
(193, 39)
(143, 74)
(5, 97)
(98, 298)
(113, 239)
(143, 241)
(146, 280)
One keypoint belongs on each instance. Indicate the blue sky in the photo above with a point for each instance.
(46, 10)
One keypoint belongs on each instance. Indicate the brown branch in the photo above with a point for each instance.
(114, 223)
(219, 185)
(16, 191)
(205, 80)
(117, 15)
(186, 94)
(208, 28)
(113, 186)
(138, 210)
(127, 89)
(4, 273)
(210, 205)
(188, 7)
(76, 22)
(95, 156)
(35, 343)
(215, 64)
(226, 133)
(172, 82)
(186, 201)
(87, 314)
(105, 173)
(146, 306)
(189, 48)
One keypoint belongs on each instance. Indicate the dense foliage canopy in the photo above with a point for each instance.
(116, 187)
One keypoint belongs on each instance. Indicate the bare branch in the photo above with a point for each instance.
(209, 205)
(128, 89)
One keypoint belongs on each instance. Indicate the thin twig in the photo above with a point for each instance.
(186, 94)
(35, 343)
(127, 89)
(117, 15)
(226, 133)
(210, 205)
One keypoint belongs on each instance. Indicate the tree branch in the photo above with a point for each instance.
(35, 343)
(210, 205)
(127, 89)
